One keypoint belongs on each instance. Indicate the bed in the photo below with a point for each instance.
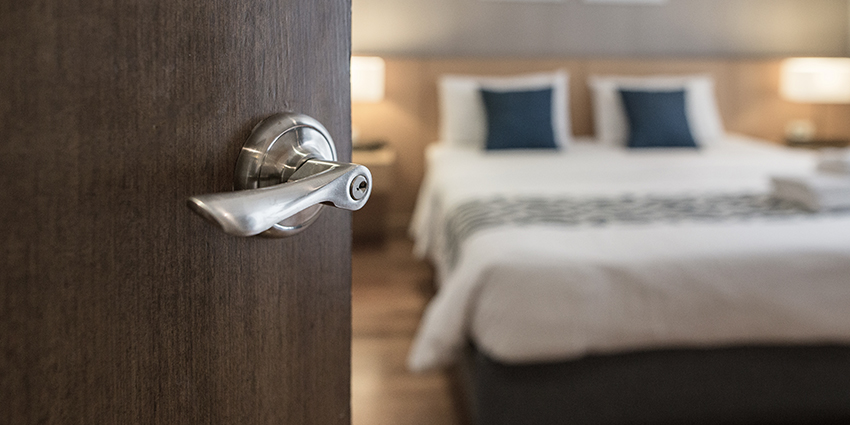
(594, 283)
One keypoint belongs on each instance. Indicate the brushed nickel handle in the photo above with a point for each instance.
(254, 211)
(285, 173)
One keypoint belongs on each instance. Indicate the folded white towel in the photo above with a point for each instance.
(834, 161)
(818, 192)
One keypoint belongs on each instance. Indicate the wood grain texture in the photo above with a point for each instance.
(390, 290)
(119, 306)
(747, 93)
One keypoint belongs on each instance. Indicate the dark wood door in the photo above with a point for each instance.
(117, 304)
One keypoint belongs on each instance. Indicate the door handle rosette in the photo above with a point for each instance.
(286, 173)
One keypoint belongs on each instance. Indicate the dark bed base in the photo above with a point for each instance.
(749, 385)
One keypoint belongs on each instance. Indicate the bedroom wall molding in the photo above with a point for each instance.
(747, 94)
(637, 2)
(524, 1)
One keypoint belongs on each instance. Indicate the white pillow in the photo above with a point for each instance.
(611, 123)
(463, 120)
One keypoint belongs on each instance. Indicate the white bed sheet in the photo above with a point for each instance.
(547, 293)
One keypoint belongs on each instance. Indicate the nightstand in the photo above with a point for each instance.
(369, 224)
(818, 144)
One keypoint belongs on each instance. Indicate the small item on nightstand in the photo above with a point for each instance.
(369, 145)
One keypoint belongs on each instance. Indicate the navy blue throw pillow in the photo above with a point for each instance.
(657, 119)
(519, 119)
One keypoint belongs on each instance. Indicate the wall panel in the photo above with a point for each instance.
(716, 28)
(747, 93)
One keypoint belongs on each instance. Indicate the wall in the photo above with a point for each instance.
(725, 28)
(738, 41)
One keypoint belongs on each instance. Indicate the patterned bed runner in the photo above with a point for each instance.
(476, 215)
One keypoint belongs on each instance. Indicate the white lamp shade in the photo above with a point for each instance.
(367, 79)
(816, 80)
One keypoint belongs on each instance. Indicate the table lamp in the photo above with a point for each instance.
(367, 84)
(813, 80)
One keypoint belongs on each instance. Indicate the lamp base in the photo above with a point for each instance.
(368, 145)
(800, 131)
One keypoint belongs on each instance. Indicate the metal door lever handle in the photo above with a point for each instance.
(251, 212)
(285, 173)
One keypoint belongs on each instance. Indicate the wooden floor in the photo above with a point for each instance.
(389, 292)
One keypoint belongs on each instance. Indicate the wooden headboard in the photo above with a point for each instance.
(747, 94)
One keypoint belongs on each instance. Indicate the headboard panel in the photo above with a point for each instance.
(747, 94)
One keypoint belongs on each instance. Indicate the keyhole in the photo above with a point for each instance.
(359, 187)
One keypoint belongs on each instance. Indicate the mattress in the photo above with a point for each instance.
(710, 261)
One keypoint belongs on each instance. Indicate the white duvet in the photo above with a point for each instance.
(537, 293)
